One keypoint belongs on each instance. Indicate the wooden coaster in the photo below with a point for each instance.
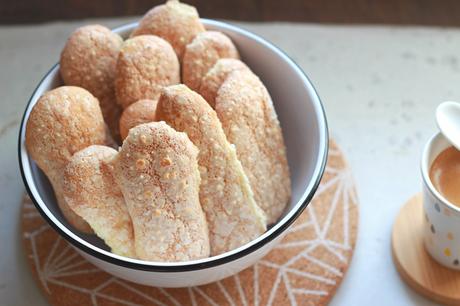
(304, 269)
(414, 264)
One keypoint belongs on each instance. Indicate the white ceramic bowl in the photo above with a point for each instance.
(305, 132)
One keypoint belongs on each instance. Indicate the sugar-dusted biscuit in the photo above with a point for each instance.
(214, 78)
(64, 121)
(91, 192)
(248, 117)
(176, 22)
(88, 60)
(145, 64)
(142, 111)
(201, 55)
(233, 216)
(157, 171)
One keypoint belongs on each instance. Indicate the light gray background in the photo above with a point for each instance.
(380, 86)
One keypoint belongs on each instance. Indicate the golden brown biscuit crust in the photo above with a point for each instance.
(176, 22)
(62, 122)
(248, 117)
(142, 111)
(201, 55)
(214, 78)
(233, 216)
(145, 64)
(157, 172)
(92, 193)
(88, 60)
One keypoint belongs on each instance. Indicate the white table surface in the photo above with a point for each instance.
(379, 85)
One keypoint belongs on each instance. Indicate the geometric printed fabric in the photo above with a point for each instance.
(305, 268)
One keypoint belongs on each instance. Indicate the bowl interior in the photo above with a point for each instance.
(299, 110)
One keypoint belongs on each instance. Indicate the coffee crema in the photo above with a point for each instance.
(445, 175)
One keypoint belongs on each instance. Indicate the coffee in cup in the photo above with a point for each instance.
(445, 175)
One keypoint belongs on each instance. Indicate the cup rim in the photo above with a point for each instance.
(425, 168)
(199, 264)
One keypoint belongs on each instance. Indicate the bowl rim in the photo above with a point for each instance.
(199, 264)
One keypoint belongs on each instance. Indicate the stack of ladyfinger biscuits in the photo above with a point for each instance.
(202, 165)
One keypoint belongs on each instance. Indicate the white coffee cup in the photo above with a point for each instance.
(442, 218)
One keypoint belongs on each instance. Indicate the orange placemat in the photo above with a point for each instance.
(305, 268)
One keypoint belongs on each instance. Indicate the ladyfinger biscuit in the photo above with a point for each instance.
(233, 216)
(176, 22)
(201, 55)
(157, 172)
(88, 60)
(62, 122)
(214, 78)
(142, 111)
(248, 117)
(145, 64)
(91, 192)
